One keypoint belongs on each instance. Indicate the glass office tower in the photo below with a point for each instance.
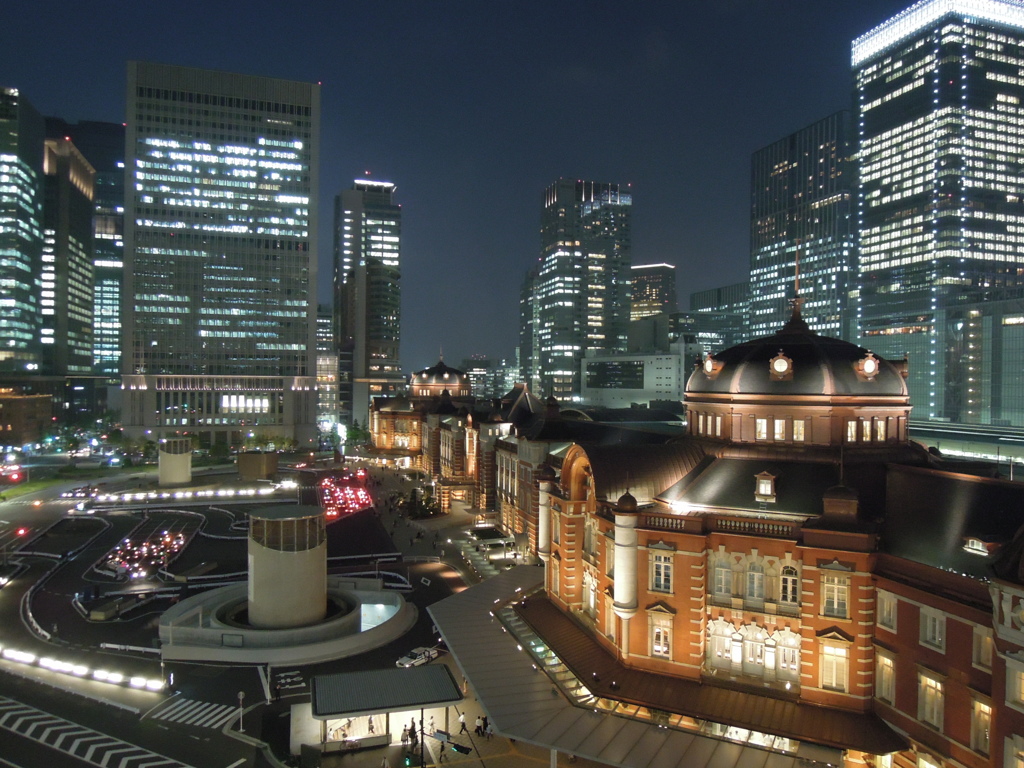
(220, 255)
(801, 224)
(21, 231)
(580, 288)
(653, 290)
(940, 105)
(368, 294)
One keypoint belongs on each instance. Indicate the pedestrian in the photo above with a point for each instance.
(431, 724)
(277, 692)
(405, 736)
(479, 728)
(462, 723)
(369, 725)
(486, 722)
(384, 762)
(489, 730)
(412, 734)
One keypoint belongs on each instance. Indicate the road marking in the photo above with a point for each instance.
(237, 762)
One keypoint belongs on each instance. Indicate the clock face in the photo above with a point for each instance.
(870, 365)
(780, 365)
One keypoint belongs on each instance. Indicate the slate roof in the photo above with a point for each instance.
(821, 366)
(644, 470)
(930, 515)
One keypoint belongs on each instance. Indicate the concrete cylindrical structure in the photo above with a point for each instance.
(174, 461)
(625, 590)
(287, 566)
(545, 485)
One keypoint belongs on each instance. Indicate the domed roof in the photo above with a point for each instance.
(797, 361)
(439, 374)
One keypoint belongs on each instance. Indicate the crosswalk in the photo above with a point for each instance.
(76, 740)
(201, 714)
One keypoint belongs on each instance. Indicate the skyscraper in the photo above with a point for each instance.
(941, 195)
(102, 144)
(653, 290)
(21, 231)
(579, 291)
(220, 255)
(368, 294)
(801, 226)
(66, 275)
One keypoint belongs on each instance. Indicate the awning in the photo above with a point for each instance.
(375, 691)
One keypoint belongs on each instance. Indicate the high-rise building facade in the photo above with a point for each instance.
(102, 145)
(368, 294)
(801, 227)
(653, 290)
(579, 292)
(22, 134)
(326, 370)
(66, 274)
(220, 255)
(940, 203)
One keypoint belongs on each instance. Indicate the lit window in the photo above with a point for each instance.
(834, 662)
(835, 590)
(866, 430)
(851, 431)
(1015, 685)
(929, 700)
(885, 678)
(981, 726)
(933, 629)
(880, 430)
(718, 426)
(780, 429)
(760, 429)
(886, 602)
(661, 636)
(798, 430)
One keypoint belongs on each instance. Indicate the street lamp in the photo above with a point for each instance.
(241, 698)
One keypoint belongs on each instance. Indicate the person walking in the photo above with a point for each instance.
(462, 723)
(405, 736)
(489, 731)
(479, 727)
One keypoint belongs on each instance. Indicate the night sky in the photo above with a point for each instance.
(472, 108)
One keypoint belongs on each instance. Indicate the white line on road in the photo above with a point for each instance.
(237, 762)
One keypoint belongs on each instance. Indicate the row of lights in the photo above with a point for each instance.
(81, 671)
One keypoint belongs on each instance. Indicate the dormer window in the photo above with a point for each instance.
(781, 367)
(764, 488)
(975, 546)
(712, 367)
(867, 367)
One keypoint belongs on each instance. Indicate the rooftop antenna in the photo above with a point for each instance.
(441, 352)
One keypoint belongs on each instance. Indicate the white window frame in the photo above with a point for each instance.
(661, 572)
(885, 677)
(755, 582)
(932, 629)
(835, 595)
(760, 428)
(798, 431)
(792, 580)
(887, 606)
(981, 650)
(835, 667)
(930, 709)
(661, 635)
(1015, 684)
(779, 430)
(722, 581)
(981, 726)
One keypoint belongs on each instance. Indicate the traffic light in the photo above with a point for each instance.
(461, 749)
(408, 759)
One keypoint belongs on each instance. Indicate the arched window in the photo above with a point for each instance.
(789, 586)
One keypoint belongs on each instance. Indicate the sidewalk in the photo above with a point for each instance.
(444, 537)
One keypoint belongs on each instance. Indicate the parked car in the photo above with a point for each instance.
(417, 656)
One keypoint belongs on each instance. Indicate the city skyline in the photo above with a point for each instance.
(470, 97)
